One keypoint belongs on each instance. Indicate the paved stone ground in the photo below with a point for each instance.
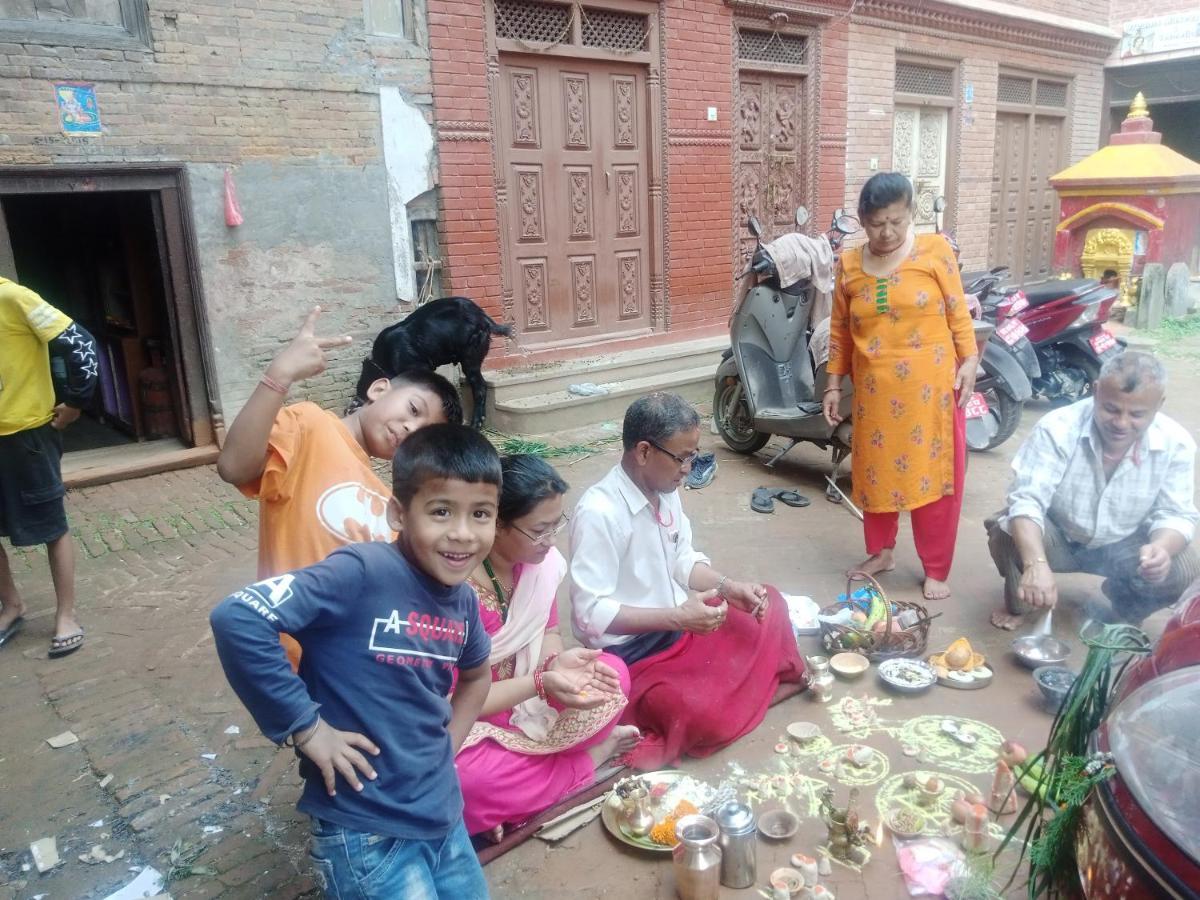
(148, 701)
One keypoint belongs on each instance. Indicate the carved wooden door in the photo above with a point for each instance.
(919, 151)
(1028, 151)
(575, 152)
(769, 146)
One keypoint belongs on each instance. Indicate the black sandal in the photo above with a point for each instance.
(65, 645)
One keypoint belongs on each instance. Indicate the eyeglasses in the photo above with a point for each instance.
(684, 461)
(548, 535)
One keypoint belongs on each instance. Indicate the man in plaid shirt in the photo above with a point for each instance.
(1104, 486)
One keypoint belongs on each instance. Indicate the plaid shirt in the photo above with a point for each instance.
(1058, 472)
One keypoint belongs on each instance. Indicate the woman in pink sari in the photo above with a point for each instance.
(551, 716)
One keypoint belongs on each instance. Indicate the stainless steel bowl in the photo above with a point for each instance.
(1037, 650)
(1054, 682)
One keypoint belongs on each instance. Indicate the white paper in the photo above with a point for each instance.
(233, 729)
(148, 884)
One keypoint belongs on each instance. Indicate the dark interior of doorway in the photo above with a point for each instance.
(96, 257)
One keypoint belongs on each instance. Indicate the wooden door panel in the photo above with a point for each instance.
(769, 176)
(574, 151)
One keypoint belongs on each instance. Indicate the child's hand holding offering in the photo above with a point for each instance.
(331, 750)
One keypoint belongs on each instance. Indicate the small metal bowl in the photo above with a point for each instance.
(778, 824)
(1054, 682)
(1037, 650)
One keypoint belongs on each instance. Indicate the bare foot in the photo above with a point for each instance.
(935, 589)
(875, 565)
(620, 740)
(496, 835)
(11, 612)
(1006, 621)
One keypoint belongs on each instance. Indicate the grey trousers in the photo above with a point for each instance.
(1132, 597)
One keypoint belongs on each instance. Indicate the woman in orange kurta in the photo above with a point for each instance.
(901, 330)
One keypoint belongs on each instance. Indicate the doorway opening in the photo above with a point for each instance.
(108, 249)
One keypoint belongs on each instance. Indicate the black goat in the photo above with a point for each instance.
(442, 332)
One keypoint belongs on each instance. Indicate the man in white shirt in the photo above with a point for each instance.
(1104, 486)
(641, 591)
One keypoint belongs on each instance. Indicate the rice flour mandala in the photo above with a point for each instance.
(874, 771)
(893, 795)
(818, 746)
(858, 717)
(939, 749)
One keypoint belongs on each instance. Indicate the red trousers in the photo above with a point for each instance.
(935, 525)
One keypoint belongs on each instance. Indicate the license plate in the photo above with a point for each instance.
(1102, 341)
(1011, 331)
(977, 406)
(1019, 305)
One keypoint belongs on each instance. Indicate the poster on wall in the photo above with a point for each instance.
(78, 113)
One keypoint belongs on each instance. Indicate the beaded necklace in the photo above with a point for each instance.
(501, 595)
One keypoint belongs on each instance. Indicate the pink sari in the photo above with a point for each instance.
(507, 775)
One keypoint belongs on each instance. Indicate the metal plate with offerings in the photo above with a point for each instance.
(641, 811)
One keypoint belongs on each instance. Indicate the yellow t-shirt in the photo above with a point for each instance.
(27, 324)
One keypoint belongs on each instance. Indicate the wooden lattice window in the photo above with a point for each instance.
(772, 47)
(534, 22)
(1012, 89)
(1051, 93)
(915, 78)
(613, 30)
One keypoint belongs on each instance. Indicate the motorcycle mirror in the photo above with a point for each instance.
(801, 216)
(845, 224)
(754, 226)
(939, 205)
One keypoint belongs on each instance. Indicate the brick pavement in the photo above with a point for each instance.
(147, 700)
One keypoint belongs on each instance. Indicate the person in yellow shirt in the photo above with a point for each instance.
(34, 408)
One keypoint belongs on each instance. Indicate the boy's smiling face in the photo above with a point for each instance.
(393, 413)
(448, 527)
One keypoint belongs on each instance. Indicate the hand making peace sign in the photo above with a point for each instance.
(304, 357)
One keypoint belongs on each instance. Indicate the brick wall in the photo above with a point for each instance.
(873, 51)
(1121, 11)
(699, 74)
(287, 93)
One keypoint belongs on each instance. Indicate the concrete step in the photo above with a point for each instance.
(552, 411)
(507, 384)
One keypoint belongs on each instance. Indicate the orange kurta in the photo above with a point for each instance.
(899, 339)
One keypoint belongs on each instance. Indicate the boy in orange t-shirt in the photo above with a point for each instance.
(311, 471)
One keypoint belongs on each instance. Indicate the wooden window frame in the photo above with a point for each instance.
(132, 34)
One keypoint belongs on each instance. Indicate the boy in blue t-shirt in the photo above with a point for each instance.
(384, 629)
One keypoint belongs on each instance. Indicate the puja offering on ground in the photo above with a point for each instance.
(643, 811)
(908, 676)
(960, 666)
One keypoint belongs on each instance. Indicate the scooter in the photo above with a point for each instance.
(1066, 325)
(767, 383)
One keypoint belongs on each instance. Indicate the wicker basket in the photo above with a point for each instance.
(876, 646)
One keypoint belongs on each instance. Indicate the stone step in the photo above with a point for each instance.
(553, 411)
(507, 384)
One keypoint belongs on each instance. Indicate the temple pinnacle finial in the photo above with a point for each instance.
(1138, 108)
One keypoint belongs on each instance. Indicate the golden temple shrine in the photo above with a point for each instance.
(1132, 202)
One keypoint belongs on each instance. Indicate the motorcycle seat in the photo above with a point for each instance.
(1049, 291)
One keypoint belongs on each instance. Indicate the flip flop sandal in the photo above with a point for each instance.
(791, 498)
(12, 630)
(761, 502)
(65, 645)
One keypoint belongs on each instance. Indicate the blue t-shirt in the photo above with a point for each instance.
(382, 641)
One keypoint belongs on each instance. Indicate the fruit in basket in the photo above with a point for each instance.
(858, 618)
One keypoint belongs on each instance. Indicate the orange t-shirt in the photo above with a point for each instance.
(317, 493)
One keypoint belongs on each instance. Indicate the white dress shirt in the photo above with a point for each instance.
(624, 554)
(1058, 472)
